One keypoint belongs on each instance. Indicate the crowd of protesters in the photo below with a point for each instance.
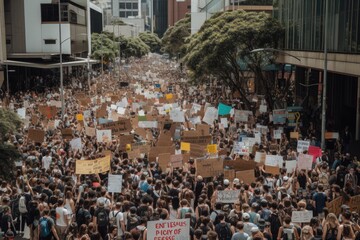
(49, 199)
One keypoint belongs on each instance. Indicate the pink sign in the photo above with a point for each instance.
(315, 152)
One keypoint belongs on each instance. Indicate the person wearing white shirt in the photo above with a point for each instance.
(62, 220)
(119, 218)
(46, 161)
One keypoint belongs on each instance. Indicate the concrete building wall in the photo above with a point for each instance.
(15, 25)
(2, 32)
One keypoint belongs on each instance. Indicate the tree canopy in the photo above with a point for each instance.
(9, 124)
(152, 40)
(173, 41)
(132, 47)
(222, 48)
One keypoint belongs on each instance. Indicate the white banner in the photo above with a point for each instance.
(301, 216)
(228, 196)
(177, 229)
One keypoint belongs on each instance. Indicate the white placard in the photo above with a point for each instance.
(263, 109)
(237, 148)
(76, 144)
(302, 146)
(228, 196)
(21, 113)
(210, 115)
(195, 120)
(259, 156)
(277, 134)
(103, 135)
(177, 115)
(274, 160)
(177, 229)
(114, 183)
(301, 216)
(305, 161)
(290, 166)
(224, 122)
(195, 108)
(241, 116)
(148, 124)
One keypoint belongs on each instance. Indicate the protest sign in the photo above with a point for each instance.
(185, 146)
(155, 151)
(301, 216)
(210, 116)
(79, 117)
(89, 131)
(272, 169)
(224, 122)
(67, 133)
(114, 183)
(134, 154)
(228, 196)
(277, 134)
(200, 140)
(48, 111)
(212, 148)
(103, 136)
(198, 150)
(229, 174)
(76, 144)
(302, 146)
(247, 176)
(148, 124)
(177, 229)
(124, 140)
(335, 205)
(36, 135)
(241, 116)
(118, 127)
(263, 108)
(331, 135)
(195, 108)
(294, 135)
(238, 147)
(354, 204)
(290, 165)
(315, 152)
(240, 164)
(224, 109)
(210, 167)
(304, 161)
(274, 160)
(279, 116)
(177, 115)
(260, 157)
(96, 166)
(21, 112)
(176, 161)
(55, 103)
(163, 160)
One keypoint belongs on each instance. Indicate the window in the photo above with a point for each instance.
(8, 41)
(128, 5)
(128, 14)
(122, 14)
(50, 41)
(135, 13)
(135, 5)
(50, 13)
(122, 5)
(73, 17)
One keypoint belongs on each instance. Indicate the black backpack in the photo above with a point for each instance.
(224, 231)
(275, 223)
(102, 218)
(82, 216)
(217, 220)
(132, 222)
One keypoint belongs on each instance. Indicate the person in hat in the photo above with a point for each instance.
(240, 234)
(247, 224)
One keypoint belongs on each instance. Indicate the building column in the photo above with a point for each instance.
(358, 111)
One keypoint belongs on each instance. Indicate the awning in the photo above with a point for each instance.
(77, 62)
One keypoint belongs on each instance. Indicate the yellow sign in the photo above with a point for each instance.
(294, 135)
(128, 147)
(212, 148)
(79, 117)
(169, 96)
(96, 166)
(184, 146)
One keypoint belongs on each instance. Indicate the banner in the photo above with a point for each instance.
(228, 196)
(210, 167)
(224, 109)
(302, 146)
(177, 229)
(304, 161)
(118, 127)
(301, 216)
(103, 135)
(36, 135)
(96, 166)
(114, 183)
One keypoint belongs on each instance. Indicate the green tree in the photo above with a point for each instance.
(103, 46)
(9, 124)
(174, 39)
(152, 40)
(132, 47)
(222, 48)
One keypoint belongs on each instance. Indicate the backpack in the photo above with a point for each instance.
(22, 205)
(331, 233)
(112, 220)
(82, 216)
(102, 218)
(275, 223)
(217, 220)
(132, 222)
(288, 233)
(44, 227)
(224, 231)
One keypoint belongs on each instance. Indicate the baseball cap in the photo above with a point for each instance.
(226, 182)
(285, 178)
(236, 181)
(246, 216)
(254, 229)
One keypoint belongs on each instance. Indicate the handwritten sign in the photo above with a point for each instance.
(301, 216)
(228, 196)
(67, 133)
(96, 166)
(212, 148)
(279, 116)
(177, 229)
(201, 140)
(305, 161)
(103, 135)
(36, 135)
(114, 183)
(176, 161)
(211, 167)
(184, 146)
(118, 127)
(302, 146)
(335, 205)
(294, 135)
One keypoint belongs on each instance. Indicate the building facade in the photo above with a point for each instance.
(177, 10)
(304, 23)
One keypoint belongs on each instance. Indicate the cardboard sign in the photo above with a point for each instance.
(48, 111)
(101, 112)
(67, 133)
(96, 166)
(294, 135)
(200, 140)
(354, 204)
(240, 164)
(228, 196)
(114, 183)
(169, 229)
(305, 161)
(36, 135)
(203, 129)
(163, 160)
(184, 146)
(331, 135)
(103, 136)
(118, 127)
(210, 167)
(335, 205)
(155, 151)
(301, 216)
(212, 148)
(247, 176)
(273, 170)
(134, 154)
(89, 131)
(124, 140)
(197, 151)
(176, 161)
(260, 157)
(302, 146)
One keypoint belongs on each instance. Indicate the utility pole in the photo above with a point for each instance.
(323, 112)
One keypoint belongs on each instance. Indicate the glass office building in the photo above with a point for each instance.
(304, 24)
